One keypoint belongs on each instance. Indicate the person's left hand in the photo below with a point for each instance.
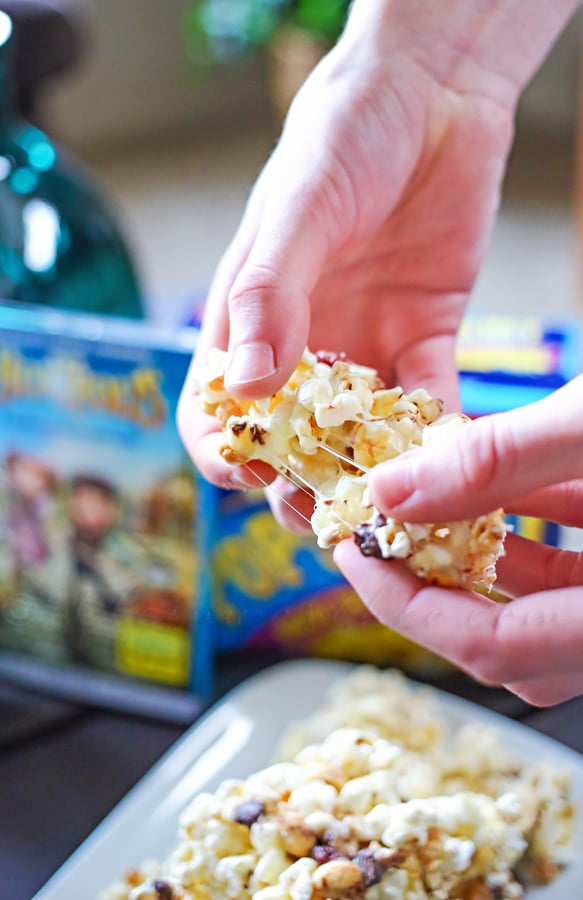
(530, 461)
(363, 234)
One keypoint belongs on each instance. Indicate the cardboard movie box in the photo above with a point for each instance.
(97, 496)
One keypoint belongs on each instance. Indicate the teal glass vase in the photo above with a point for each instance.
(60, 245)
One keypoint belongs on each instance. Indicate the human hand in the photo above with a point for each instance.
(366, 229)
(530, 461)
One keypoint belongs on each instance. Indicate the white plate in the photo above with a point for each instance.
(237, 737)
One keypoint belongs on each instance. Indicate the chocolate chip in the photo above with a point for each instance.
(238, 428)
(324, 853)
(372, 870)
(247, 813)
(163, 890)
(365, 540)
(257, 434)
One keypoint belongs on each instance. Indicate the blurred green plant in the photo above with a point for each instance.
(223, 31)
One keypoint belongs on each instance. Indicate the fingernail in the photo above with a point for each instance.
(237, 481)
(251, 362)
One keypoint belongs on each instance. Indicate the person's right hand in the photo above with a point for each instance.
(530, 461)
(366, 229)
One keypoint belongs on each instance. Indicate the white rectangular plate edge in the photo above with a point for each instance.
(238, 736)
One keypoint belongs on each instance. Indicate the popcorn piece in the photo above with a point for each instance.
(337, 878)
(329, 425)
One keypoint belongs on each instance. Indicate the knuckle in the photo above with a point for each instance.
(255, 283)
(327, 198)
(338, 196)
(563, 568)
(486, 668)
(572, 502)
(485, 654)
(489, 455)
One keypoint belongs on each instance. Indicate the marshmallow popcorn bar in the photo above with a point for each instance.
(327, 427)
(390, 805)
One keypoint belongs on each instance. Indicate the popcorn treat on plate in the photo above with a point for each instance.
(471, 758)
(325, 429)
(360, 817)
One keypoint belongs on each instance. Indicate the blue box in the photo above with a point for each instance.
(98, 561)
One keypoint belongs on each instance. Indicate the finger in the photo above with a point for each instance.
(488, 463)
(215, 325)
(193, 425)
(548, 691)
(560, 503)
(212, 467)
(537, 635)
(202, 436)
(269, 300)
(196, 428)
(528, 566)
(306, 218)
(291, 507)
(215, 322)
(431, 364)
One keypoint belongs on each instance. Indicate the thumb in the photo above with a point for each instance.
(486, 464)
(269, 302)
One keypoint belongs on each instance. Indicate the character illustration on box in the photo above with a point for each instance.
(111, 570)
(30, 486)
(32, 556)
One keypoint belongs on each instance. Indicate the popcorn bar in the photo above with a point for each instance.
(327, 427)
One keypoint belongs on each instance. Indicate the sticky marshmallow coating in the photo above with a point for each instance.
(363, 817)
(326, 428)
